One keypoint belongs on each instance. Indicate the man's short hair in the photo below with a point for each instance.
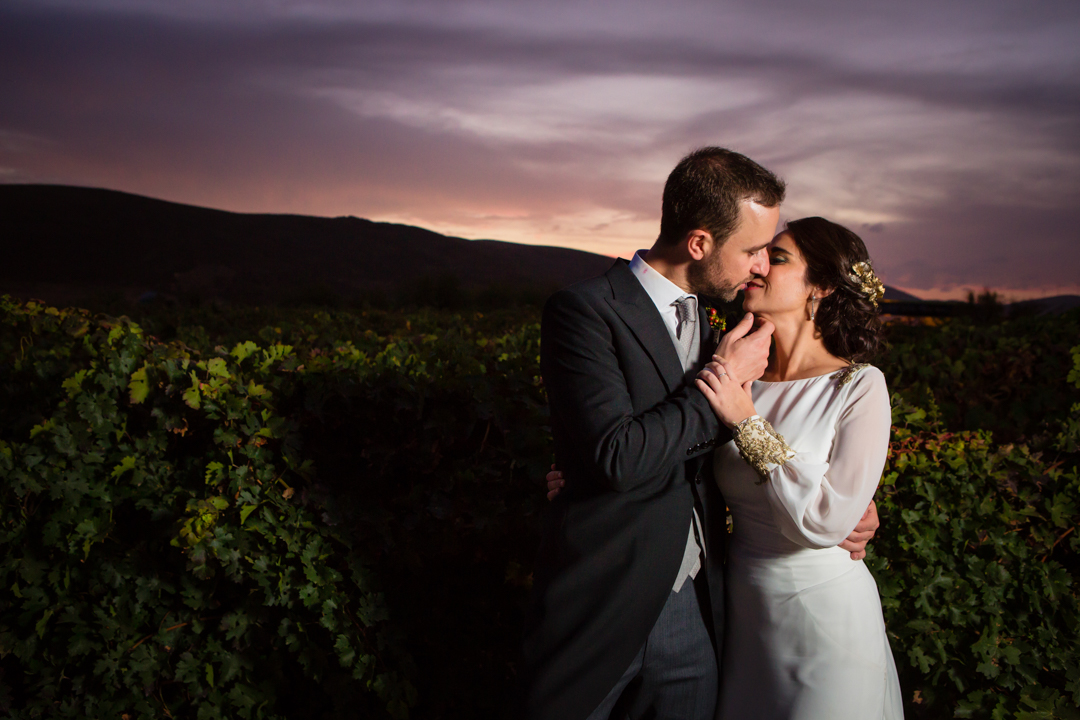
(704, 190)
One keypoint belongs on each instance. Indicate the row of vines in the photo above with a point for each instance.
(333, 514)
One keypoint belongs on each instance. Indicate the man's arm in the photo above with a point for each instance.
(588, 392)
(863, 532)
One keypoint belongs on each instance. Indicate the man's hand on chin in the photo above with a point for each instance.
(745, 354)
(856, 541)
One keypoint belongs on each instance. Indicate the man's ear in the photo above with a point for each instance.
(699, 243)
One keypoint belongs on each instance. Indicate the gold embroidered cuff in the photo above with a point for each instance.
(760, 445)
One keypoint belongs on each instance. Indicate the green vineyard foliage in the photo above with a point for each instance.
(321, 514)
(155, 559)
(1009, 378)
(976, 565)
(1068, 440)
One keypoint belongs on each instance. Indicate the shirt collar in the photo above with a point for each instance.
(661, 291)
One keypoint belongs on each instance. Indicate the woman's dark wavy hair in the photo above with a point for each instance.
(848, 322)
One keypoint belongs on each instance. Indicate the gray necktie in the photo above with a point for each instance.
(686, 312)
(686, 333)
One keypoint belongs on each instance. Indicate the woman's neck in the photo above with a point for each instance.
(799, 352)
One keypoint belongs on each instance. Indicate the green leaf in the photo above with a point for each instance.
(74, 383)
(217, 368)
(191, 396)
(243, 350)
(43, 427)
(256, 390)
(1074, 374)
(128, 463)
(918, 414)
(138, 388)
(246, 511)
(40, 626)
(213, 472)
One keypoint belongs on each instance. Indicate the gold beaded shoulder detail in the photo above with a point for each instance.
(760, 445)
(846, 375)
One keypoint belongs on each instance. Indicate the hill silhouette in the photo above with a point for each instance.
(70, 240)
(65, 244)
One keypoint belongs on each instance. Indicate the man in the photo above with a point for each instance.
(626, 614)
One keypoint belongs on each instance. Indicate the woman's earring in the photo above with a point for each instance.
(813, 307)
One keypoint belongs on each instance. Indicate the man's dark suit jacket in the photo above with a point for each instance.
(631, 438)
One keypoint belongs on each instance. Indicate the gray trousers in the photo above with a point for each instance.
(675, 674)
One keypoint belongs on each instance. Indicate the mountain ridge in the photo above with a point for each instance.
(63, 243)
(91, 238)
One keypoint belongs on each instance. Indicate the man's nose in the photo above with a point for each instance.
(760, 265)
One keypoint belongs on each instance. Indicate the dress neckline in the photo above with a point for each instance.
(843, 374)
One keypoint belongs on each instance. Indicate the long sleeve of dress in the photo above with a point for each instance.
(818, 504)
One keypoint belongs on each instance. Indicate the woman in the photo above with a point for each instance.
(805, 638)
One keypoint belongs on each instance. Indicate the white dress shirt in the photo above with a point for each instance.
(665, 294)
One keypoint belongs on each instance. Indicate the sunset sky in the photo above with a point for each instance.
(947, 134)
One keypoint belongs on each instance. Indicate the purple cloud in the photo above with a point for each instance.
(948, 136)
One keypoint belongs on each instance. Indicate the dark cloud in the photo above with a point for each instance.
(956, 151)
(139, 100)
(996, 246)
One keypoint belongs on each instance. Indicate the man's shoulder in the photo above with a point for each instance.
(594, 288)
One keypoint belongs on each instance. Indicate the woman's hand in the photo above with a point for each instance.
(555, 482)
(731, 401)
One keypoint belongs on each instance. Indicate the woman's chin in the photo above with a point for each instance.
(760, 310)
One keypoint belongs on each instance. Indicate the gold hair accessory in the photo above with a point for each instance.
(868, 282)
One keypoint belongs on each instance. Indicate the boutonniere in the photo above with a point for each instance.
(717, 323)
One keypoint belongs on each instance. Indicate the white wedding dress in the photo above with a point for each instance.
(805, 638)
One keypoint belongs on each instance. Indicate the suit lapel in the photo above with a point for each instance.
(630, 301)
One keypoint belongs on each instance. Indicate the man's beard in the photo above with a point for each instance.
(707, 278)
